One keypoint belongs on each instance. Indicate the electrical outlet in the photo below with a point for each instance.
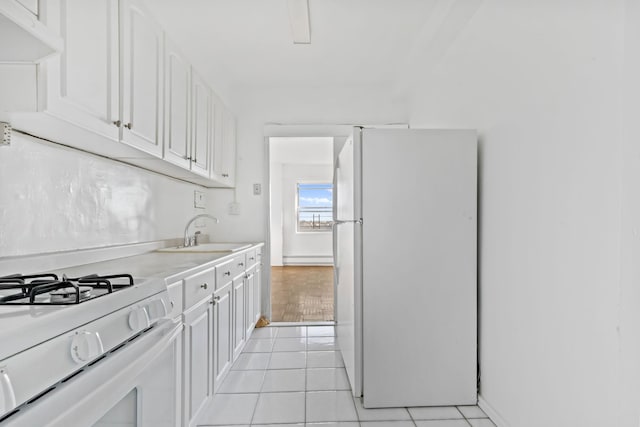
(234, 208)
(198, 199)
(5, 133)
(257, 189)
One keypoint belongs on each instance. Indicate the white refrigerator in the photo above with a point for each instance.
(405, 265)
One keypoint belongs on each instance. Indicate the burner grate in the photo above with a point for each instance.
(75, 290)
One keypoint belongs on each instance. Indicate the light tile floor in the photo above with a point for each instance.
(293, 376)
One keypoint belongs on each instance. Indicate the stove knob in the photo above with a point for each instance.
(86, 346)
(157, 309)
(138, 319)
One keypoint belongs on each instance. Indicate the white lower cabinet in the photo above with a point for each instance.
(249, 305)
(238, 315)
(222, 333)
(198, 353)
(257, 294)
(219, 316)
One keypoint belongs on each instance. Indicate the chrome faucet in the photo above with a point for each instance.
(193, 241)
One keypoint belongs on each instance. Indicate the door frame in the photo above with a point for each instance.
(289, 131)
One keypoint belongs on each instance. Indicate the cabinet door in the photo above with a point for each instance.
(81, 84)
(222, 334)
(257, 294)
(238, 315)
(201, 135)
(249, 323)
(177, 106)
(216, 155)
(197, 359)
(142, 69)
(228, 148)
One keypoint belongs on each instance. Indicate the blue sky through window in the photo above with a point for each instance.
(315, 203)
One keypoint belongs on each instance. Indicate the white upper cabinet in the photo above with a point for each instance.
(82, 84)
(120, 90)
(201, 135)
(24, 38)
(224, 152)
(177, 136)
(142, 49)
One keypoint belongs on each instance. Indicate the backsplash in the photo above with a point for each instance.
(53, 198)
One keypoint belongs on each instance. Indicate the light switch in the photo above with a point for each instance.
(198, 199)
(257, 189)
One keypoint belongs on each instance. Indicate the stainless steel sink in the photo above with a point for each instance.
(208, 247)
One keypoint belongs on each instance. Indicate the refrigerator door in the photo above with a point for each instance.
(348, 256)
(419, 267)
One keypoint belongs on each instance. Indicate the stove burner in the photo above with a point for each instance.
(48, 289)
(70, 294)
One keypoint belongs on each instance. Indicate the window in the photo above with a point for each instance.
(315, 207)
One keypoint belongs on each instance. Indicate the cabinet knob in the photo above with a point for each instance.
(204, 286)
(117, 123)
(241, 264)
(215, 300)
(227, 273)
(225, 175)
(128, 126)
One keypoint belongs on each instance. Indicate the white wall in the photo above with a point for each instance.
(293, 160)
(304, 105)
(54, 199)
(540, 81)
(303, 248)
(629, 317)
(276, 221)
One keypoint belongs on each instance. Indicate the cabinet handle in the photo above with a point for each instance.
(225, 175)
(251, 259)
(117, 123)
(227, 273)
(241, 264)
(204, 286)
(215, 300)
(128, 126)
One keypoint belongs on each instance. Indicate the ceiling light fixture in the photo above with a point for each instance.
(299, 19)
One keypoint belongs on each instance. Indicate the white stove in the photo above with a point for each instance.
(54, 327)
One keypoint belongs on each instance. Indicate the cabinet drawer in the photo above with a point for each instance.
(175, 299)
(251, 257)
(198, 287)
(239, 265)
(224, 273)
(259, 255)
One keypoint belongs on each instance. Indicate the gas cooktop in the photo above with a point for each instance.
(50, 289)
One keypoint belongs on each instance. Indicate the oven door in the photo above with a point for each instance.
(137, 384)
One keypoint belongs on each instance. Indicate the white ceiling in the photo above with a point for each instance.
(239, 44)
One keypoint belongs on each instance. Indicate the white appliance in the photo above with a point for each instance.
(88, 351)
(405, 266)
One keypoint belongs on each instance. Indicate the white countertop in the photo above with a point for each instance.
(22, 326)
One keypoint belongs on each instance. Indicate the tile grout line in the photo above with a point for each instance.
(306, 332)
(255, 408)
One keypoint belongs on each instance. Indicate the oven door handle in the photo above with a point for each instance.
(7, 395)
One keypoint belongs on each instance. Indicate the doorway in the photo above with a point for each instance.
(301, 238)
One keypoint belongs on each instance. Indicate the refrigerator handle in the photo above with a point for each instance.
(355, 221)
(334, 235)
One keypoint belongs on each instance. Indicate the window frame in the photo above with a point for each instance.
(298, 211)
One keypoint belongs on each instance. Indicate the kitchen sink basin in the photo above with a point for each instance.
(208, 247)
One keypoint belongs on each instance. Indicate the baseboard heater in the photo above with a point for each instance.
(308, 260)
